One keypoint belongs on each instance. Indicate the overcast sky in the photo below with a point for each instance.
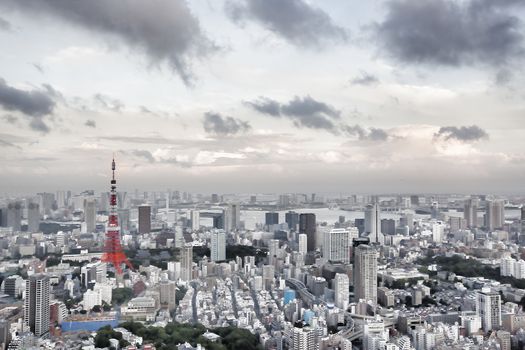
(263, 95)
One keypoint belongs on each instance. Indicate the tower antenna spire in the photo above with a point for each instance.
(113, 252)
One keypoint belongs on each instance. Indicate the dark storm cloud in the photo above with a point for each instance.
(4, 24)
(165, 30)
(462, 133)
(35, 103)
(453, 33)
(214, 123)
(365, 79)
(363, 134)
(91, 123)
(303, 111)
(295, 20)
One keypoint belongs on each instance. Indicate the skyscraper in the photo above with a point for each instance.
(167, 293)
(271, 218)
(33, 217)
(218, 246)
(488, 308)
(36, 305)
(235, 212)
(292, 219)
(186, 262)
(304, 339)
(373, 223)
(341, 288)
(144, 219)
(195, 220)
(365, 273)
(494, 215)
(438, 232)
(338, 243)
(14, 216)
(470, 213)
(307, 226)
(303, 243)
(90, 214)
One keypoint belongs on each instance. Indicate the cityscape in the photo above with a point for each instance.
(262, 175)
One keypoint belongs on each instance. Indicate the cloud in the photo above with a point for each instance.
(463, 133)
(143, 154)
(303, 111)
(296, 21)
(91, 123)
(38, 67)
(371, 134)
(451, 33)
(214, 123)
(108, 102)
(365, 79)
(166, 31)
(35, 104)
(5, 25)
(11, 119)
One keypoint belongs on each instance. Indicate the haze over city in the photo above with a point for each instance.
(333, 96)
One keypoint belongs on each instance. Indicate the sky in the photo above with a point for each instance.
(223, 96)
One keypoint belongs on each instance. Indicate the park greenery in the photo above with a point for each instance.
(165, 338)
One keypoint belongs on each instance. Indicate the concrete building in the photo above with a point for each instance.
(144, 219)
(488, 308)
(307, 225)
(186, 259)
(365, 274)
(341, 288)
(33, 217)
(218, 246)
(36, 305)
(373, 223)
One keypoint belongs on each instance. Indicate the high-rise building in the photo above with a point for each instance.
(144, 219)
(167, 293)
(123, 219)
(218, 246)
(303, 243)
(36, 305)
(304, 339)
(365, 273)
(470, 213)
(373, 223)
(292, 219)
(488, 308)
(47, 200)
(494, 215)
(271, 218)
(235, 212)
(215, 198)
(388, 226)
(338, 244)
(33, 217)
(307, 226)
(90, 214)
(5, 334)
(14, 216)
(195, 220)
(438, 232)
(186, 262)
(341, 288)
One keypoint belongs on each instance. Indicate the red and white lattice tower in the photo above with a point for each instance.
(113, 252)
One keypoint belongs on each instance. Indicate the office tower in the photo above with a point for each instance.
(434, 210)
(36, 305)
(284, 201)
(522, 219)
(273, 249)
(33, 217)
(218, 246)
(414, 200)
(253, 199)
(470, 213)
(388, 226)
(337, 245)
(123, 218)
(303, 243)
(144, 219)
(47, 200)
(168, 292)
(456, 224)
(438, 232)
(271, 219)
(304, 339)
(494, 215)
(504, 339)
(195, 220)
(235, 216)
(307, 226)
(14, 216)
(488, 308)
(186, 262)
(373, 223)
(365, 273)
(3, 217)
(90, 214)
(215, 198)
(292, 219)
(341, 288)
(113, 252)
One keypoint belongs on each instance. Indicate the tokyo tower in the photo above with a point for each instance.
(113, 252)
